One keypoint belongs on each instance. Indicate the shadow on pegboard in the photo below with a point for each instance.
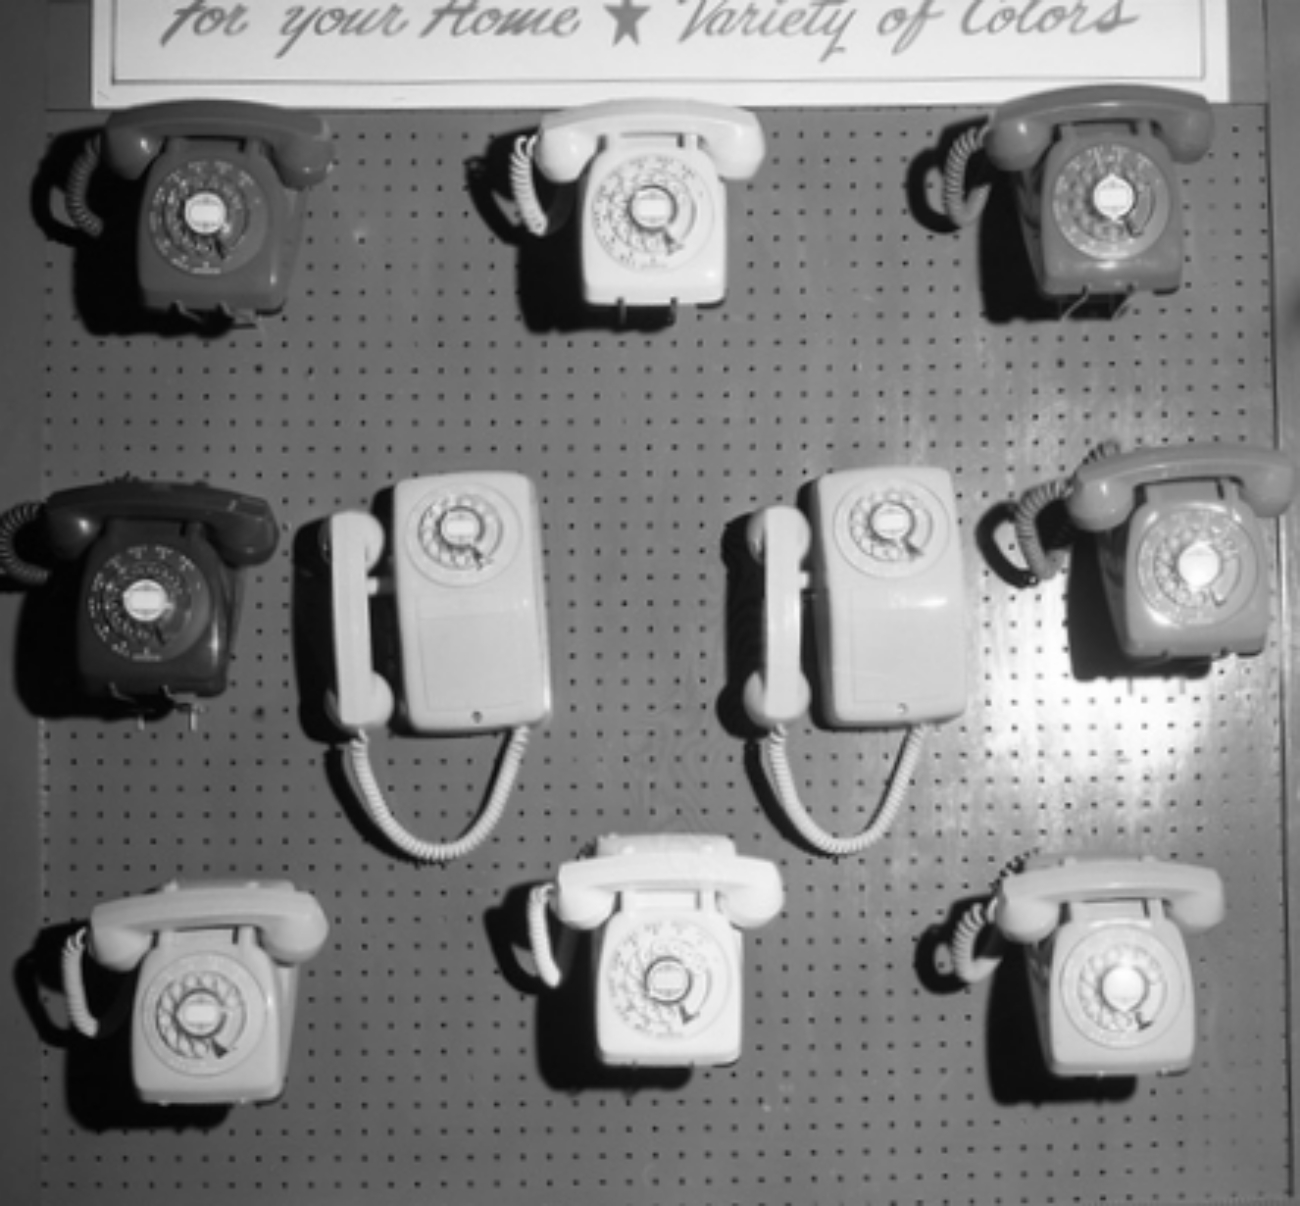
(742, 627)
(549, 281)
(1018, 1073)
(100, 1092)
(1017, 1070)
(312, 629)
(566, 1031)
(104, 277)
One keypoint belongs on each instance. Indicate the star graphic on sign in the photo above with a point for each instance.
(626, 14)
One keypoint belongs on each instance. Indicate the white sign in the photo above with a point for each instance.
(548, 53)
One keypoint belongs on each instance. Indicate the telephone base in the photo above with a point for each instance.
(251, 276)
(668, 991)
(213, 1021)
(1085, 981)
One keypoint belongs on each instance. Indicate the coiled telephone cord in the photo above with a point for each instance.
(1043, 565)
(537, 220)
(962, 208)
(11, 564)
(787, 792)
(74, 986)
(969, 967)
(539, 934)
(372, 798)
(77, 192)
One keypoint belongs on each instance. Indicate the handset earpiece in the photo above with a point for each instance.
(70, 532)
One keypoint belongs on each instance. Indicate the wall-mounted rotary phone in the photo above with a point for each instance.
(887, 588)
(1108, 967)
(1183, 553)
(222, 207)
(667, 910)
(652, 208)
(1096, 185)
(161, 579)
(466, 555)
(215, 997)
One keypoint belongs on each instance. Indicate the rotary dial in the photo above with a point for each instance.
(1111, 201)
(892, 529)
(202, 216)
(202, 1014)
(1191, 566)
(1122, 986)
(143, 601)
(460, 532)
(651, 212)
(667, 979)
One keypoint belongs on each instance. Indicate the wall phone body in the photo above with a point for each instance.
(667, 911)
(1096, 184)
(887, 588)
(1183, 553)
(466, 556)
(161, 581)
(1108, 967)
(471, 613)
(223, 201)
(652, 208)
(888, 597)
(216, 994)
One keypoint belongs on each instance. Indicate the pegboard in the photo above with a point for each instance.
(422, 335)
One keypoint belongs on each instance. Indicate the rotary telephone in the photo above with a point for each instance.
(1182, 549)
(212, 1018)
(1095, 183)
(466, 555)
(161, 581)
(667, 910)
(221, 212)
(1108, 968)
(652, 209)
(889, 609)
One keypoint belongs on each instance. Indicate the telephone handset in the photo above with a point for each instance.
(1183, 552)
(1108, 968)
(1096, 186)
(212, 1019)
(161, 579)
(222, 209)
(466, 554)
(889, 610)
(652, 209)
(667, 910)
